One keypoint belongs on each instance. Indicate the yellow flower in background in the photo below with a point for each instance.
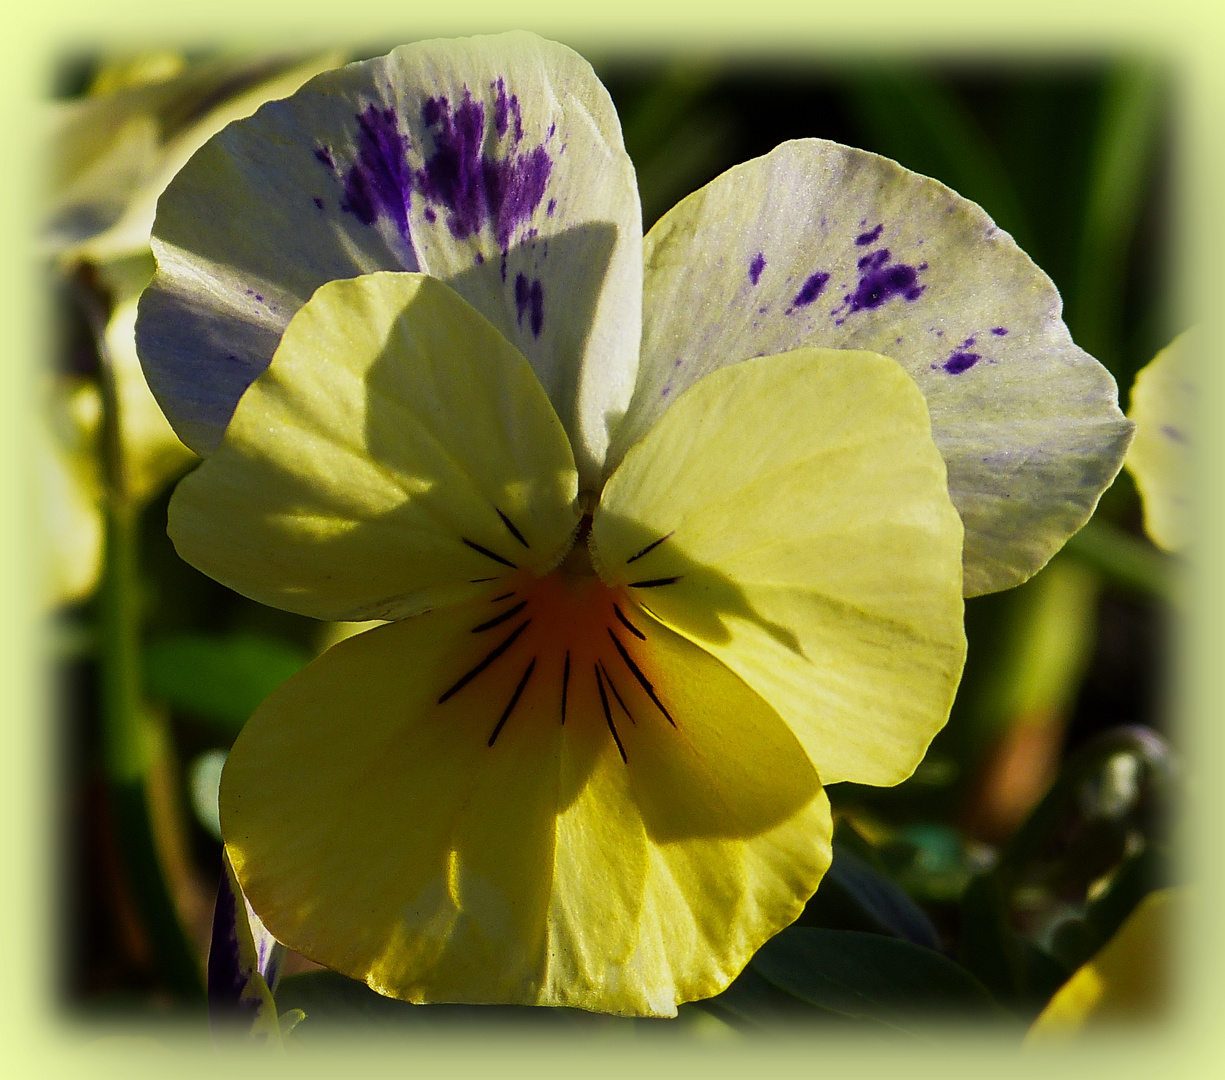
(1126, 982)
(664, 546)
(69, 488)
(110, 153)
(1160, 458)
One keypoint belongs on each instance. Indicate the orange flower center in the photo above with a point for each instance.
(564, 645)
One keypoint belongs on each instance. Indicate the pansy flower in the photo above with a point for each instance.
(662, 529)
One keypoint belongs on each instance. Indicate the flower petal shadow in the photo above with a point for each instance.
(698, 601)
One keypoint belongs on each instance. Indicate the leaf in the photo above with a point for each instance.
(872, 977)
(1020, 974)
(854, 895)
(219, 678)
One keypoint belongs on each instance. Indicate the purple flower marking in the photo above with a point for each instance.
(961, 361)
(809, 291)
(879, 282)
(864, 239)
(501, 107)
(529, 301)
(379, 181)
(998, 331)
(504, 108)
(756, 267)
(475, 188)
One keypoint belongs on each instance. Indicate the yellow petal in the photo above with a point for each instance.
(789, 514)
(500, 808)
(1160, 458)
(1127, 979)
(397, 454)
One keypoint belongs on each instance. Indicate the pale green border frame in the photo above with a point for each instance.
(1187, 33)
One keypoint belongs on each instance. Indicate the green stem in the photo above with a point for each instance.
(1124, 560)
(126, 755)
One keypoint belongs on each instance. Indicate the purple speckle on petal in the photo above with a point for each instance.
(529, 301)
(379, 181)
(961, 361)
(551, 207)
(998, 331)
(325, 156)
(501, 107)
(429, 215)
(478, 258)
(879, 282)
(809, 291)
(318, 202)
(897, 341)
(874, 260)
(473, 187)
(864, 239)
(665, 391)
(522, 297)
(537, 316)
(968, 343)
(756, 267)
(432, 110)
(1173, 433)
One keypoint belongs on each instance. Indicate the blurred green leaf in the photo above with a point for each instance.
(219, 678)
(752, 1002)
(675, 142)
(1125, 560)
(855, 895)
(1020, 974)
(1121, 168)
(871, 977)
